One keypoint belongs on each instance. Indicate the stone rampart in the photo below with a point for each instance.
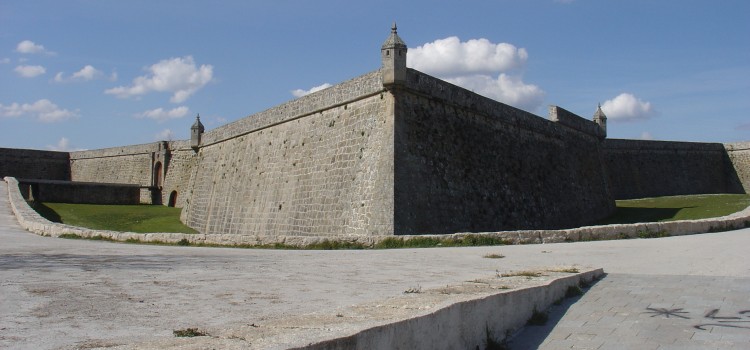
(566, 118)
(739, 156)
(340, 94)
(143, 165)
(320, 165)
(125, 165)
(30, 220)
(639, 169)
(181, 167)
(34, 164)
(466, 163)
(79, 192)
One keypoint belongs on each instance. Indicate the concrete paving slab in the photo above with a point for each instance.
(59, 293)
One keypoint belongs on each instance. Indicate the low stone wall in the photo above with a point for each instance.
(33, 222)
(79, 192)
(464, 323)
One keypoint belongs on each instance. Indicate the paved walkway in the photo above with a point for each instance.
(57, 293)
(629, 311)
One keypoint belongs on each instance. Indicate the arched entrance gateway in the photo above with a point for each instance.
(172, 199)
(156, 184)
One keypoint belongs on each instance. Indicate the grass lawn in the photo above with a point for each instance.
(128, 218)
(677, 208)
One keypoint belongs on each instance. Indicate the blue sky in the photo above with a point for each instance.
(93, 74)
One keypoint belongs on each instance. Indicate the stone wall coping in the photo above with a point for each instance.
(77, 183)
(737, 146)
(432, 88)
(352, 90)
(145, 148)
(24, 151)
(627, 144)
(30, 220)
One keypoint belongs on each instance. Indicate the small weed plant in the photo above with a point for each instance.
(414, 290)
(189, 333)
(522, 274)
(538, 318)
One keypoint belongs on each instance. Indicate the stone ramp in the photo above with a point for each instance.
(461, 316)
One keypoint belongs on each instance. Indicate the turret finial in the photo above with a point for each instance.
(394, 29)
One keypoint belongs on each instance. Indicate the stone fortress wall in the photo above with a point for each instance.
(142, 165)
(318, 165)
(34, 164)
(396, 151)
(637, 168)
(466, 163)
(739, 156)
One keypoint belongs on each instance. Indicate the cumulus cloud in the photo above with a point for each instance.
(164, 135)
(646, 136)
(489, 69)
(451, 57)
(161, 115)
(85, 74)
(29, 47)
(30, 71)
(63, 146)
(626, 107)
(180, 76)
(300, 92)
(507, 89)
(43, 110)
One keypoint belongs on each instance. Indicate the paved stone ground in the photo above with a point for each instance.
(631, 311)
(57, 293)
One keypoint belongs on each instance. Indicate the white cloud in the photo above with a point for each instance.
(474, 64)
(450, 57)
(29, 47)
(85, 74)
(646, 136)
(5, 61)
(300, 92)
(179, 76)
(161, 115)
(43, 110)
(30, 71)
(626, 107)
(164, 135)
(507, 89)
(63, 146)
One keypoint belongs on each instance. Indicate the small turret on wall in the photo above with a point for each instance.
(601, 120)
(393, 56)
(195, 133)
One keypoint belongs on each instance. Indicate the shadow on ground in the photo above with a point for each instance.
(531, 337)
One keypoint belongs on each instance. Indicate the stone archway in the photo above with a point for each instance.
(156, 184)
(157, 175)
(172, 199)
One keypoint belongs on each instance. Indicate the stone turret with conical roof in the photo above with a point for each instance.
(195, 132)
(393, 56)
(601, 120)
